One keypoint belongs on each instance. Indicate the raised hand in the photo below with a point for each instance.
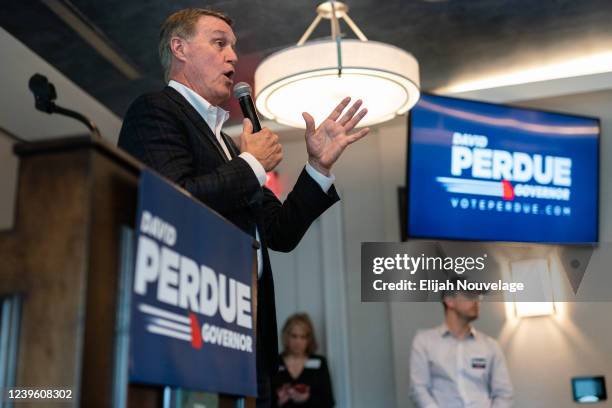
(326, 143)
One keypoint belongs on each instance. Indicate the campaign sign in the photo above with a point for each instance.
(480, 171)
(191, 319)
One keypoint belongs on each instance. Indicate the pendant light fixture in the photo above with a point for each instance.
(314, 76)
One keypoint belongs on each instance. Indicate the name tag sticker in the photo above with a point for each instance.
(313, 363)
(479, 362)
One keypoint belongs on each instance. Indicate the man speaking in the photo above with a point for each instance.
(178, 133)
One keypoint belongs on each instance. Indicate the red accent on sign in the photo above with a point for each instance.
(196, 335)
(508, 190)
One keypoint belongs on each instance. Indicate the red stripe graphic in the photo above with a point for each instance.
(508, 190)
(196, 335)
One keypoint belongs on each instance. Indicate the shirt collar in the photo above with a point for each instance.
(214, 116)
(444, 331)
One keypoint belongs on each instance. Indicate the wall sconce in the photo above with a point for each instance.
(533, 309)
(535, 274)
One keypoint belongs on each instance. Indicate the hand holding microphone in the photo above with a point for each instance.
(263, 144)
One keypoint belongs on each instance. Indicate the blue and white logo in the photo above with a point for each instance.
(192, 313)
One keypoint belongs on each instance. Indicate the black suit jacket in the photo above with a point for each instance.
(166, 133)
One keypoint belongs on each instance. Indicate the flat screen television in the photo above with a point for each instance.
(490, 172)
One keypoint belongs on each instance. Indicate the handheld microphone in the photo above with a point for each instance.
(242, 91)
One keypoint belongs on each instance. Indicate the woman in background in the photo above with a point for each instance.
(303, 378)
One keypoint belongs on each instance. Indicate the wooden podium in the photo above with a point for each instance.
(60, 263)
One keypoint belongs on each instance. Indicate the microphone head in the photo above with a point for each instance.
(44, 93)
(242, 89)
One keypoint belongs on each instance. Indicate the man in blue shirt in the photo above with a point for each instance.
(453, 365)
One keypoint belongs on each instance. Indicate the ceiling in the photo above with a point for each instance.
(453, 40)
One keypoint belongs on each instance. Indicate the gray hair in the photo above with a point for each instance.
(182, 24)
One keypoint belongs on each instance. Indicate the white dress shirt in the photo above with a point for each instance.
(215, 117)
(458, 373)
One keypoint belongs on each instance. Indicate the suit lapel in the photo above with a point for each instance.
(233, 150)
(196, 118)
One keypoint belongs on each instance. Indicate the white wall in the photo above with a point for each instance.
(310, 279)
(358, 177)
(579, 340)
(543, 353)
